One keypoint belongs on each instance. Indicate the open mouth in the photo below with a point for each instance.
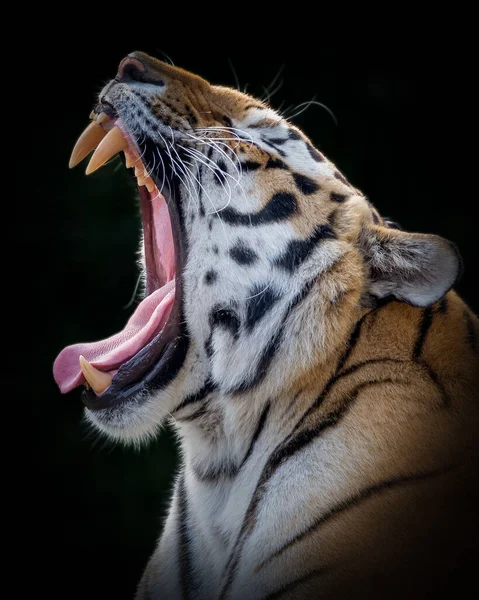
(150, 349)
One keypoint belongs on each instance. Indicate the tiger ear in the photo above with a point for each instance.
(413, 267)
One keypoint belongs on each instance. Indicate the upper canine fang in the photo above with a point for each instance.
(111, 144)
(87, 142)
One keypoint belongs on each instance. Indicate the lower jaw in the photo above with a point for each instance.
(157, 363)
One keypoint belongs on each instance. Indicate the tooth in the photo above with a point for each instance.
(138, 172)
(102, 118)
(113, 142)
(129, 160)
(97, 380)
(93, 116)
(87, 142)
(150, 186)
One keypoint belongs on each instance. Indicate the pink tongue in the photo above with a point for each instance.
(147, 320)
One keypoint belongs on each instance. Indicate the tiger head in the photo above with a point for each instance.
(258, 255)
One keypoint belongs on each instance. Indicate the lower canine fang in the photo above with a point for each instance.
(97, 380)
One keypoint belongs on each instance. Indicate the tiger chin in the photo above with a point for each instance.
(320, 372)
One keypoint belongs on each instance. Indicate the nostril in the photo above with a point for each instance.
(131, 69)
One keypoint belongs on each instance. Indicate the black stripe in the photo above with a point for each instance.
(441, 307)
(184, 540)
(259, 428)
(297, 251)
(285, 589)
(249, 165)
(261, 299)
(341, 178)
(275, 163)
(351, 344)
(273, 345)
(209, 345)
(353, 340)
(225, 317)
(201, 394)
(272, 145)
(369, 361)
(433, 375)
(422, 332)
(471, 331)
(294, 135)
(279, 141)
(262, 366)
(195, 415)
(280, 207)
(219, 172)
(424, 327)
(315, 154)
(305, 185)
(351, 502)
(212, 474)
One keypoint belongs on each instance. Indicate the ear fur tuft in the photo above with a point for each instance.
(416, 268)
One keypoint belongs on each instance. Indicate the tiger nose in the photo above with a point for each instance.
(131, 69)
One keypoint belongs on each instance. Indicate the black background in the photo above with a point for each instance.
(402, 138)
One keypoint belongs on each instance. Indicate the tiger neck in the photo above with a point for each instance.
(230, 434)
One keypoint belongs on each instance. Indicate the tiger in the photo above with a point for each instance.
(313, 358)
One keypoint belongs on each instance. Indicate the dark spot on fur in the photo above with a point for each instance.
(210, 277)
(304, 184)
(337, 197)
(243, 254)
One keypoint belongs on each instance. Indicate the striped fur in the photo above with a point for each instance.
(327, 406)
